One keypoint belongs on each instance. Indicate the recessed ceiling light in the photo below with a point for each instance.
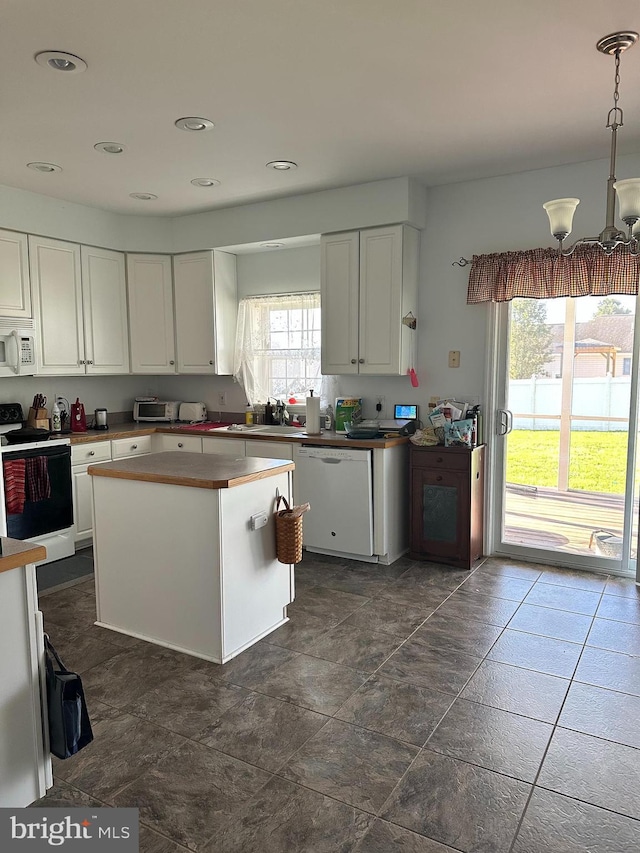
(109, 147)
(58, 60)
(205, 182)
(272, 245)
(143, 196)
(282, 165)
(193, 123)
(44, 167)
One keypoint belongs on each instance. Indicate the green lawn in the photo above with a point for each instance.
(598, 460)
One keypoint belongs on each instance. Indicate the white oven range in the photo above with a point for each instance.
(47, 520)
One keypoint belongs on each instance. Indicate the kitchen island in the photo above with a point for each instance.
(184, 550)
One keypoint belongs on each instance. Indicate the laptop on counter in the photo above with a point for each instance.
(403, 413)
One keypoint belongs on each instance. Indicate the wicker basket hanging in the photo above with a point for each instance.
(289, 531)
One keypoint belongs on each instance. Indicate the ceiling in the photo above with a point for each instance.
(351, 90)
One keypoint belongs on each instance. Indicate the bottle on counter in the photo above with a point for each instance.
(268, 413)
(329, 422)
(248, 415)
(56, 419)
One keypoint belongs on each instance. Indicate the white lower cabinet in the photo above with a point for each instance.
(163, 442)
(121, 448)
(232, 446)
(83, 455)
(269, 449)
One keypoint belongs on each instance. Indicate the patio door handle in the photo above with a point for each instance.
(505, 421)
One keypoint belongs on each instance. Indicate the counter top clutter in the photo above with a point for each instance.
(262, 432)
(185, 550)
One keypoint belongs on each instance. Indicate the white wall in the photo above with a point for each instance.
(492, 215)
(50, 217)
(116, 393)
(279, 271)
(360, 206)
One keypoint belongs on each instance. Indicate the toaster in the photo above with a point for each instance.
(192, 412)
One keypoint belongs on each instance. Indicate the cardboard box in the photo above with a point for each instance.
(348, 409)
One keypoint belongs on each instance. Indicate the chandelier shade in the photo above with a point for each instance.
(560, 212)
(628, 193)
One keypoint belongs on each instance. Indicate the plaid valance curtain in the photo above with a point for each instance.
(545, 274)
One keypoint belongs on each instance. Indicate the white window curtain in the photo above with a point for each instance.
(278, 347)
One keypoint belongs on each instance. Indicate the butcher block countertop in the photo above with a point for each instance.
(16, 553)
(326, 439)
(197, 470)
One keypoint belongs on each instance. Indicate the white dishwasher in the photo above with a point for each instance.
(337, 482)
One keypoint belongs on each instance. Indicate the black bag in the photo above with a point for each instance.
(69, 724)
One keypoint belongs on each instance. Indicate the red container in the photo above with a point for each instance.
(78, 417)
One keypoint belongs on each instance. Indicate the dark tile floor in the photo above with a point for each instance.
(411, 708)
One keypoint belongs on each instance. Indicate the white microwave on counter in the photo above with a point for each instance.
(156, 410)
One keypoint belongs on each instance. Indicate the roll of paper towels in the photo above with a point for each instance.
(312, 422)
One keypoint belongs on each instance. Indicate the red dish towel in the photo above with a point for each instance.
(14, 485)
(37, 477)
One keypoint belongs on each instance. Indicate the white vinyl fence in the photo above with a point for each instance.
(599, 403)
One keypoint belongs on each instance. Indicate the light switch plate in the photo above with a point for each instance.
(259, 520)
(454, 358)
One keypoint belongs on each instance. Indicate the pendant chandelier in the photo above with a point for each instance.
(560, 211)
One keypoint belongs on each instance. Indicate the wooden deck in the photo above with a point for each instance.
(561, 521)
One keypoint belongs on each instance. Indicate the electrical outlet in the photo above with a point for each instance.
(222, 399)
(379, 405)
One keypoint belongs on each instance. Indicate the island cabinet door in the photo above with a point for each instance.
(256, 588)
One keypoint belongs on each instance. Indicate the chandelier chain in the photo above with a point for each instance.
(614, 119)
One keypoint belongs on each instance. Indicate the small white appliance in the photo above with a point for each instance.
(192, 412)
(156, 410)
(17, 348)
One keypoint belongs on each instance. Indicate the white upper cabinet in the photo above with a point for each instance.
(80, 306)
(150, 295)
(15, 292)
(369, 283)
(104, 299)
(57, 301)
(206, 306)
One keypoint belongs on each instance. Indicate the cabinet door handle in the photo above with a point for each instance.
(354, 361)
(92, 453)
(439, 477)
(82, 361)
(180, 444)
(211, 362)
(361, 360)
(89, 362)
(134, 446)
(172, 362)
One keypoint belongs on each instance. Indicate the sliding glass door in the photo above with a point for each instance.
(564, 481)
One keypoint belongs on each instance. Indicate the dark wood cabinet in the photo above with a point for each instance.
(447, 497)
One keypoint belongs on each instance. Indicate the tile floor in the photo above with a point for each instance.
(411, 708)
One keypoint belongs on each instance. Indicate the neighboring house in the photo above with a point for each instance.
(603, 346)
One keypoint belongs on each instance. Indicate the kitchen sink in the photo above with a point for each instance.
(278, 430)
(261, 429)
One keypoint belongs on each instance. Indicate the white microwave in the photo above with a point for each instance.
(156, 410)
(17, 352)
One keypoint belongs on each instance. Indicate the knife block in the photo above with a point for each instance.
(38, 418)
